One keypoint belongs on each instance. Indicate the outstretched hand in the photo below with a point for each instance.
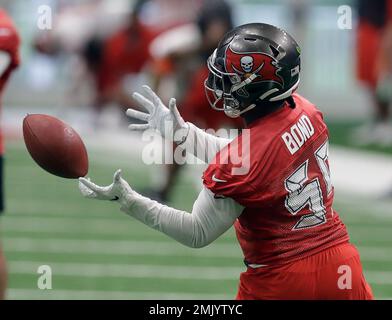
(118, 190)
(167, 120)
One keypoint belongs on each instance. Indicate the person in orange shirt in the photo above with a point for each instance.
(9, 60)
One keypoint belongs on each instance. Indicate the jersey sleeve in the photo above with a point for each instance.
(227, 178)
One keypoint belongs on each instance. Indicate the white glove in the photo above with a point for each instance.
(167, 121)
(119, 190)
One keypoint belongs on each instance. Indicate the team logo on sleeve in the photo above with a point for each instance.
(262, 65)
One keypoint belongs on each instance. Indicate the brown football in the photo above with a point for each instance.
(55, 146)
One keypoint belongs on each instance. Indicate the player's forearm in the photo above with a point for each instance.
(196, 229)
(201, 144)
(177, 224)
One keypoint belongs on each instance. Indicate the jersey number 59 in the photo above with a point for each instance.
(302, 192)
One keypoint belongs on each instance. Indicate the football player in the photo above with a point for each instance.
(278, 196)
(9, 60)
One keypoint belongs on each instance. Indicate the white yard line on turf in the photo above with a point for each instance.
(35, 294)
(375, 253)
(113, 247)
(129, 270)
(137, 247)
(156, 271)
(70, 225)
(379, 277)
(126, 227)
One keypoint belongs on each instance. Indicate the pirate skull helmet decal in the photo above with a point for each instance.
(264, 66)
(247, 63)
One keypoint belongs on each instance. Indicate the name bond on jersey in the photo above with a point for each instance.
(298, 134)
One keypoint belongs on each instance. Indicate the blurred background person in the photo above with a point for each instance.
(180, 54)
(97, 43)
(123, 57)
(9, 60)
(107, 47)
(374, 67)
(59, 74)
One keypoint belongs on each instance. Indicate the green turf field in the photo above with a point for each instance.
(97, 252)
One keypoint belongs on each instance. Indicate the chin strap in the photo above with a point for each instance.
(233, 113)
(291, 102)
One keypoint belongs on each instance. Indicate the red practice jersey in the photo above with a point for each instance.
(278, 170)
(9, 42)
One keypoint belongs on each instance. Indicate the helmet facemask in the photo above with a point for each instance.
(221, 88)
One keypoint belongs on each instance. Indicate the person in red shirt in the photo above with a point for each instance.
(272, 182)
(124, 53)
(374, 67)
(9, 60)
(287, 195)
